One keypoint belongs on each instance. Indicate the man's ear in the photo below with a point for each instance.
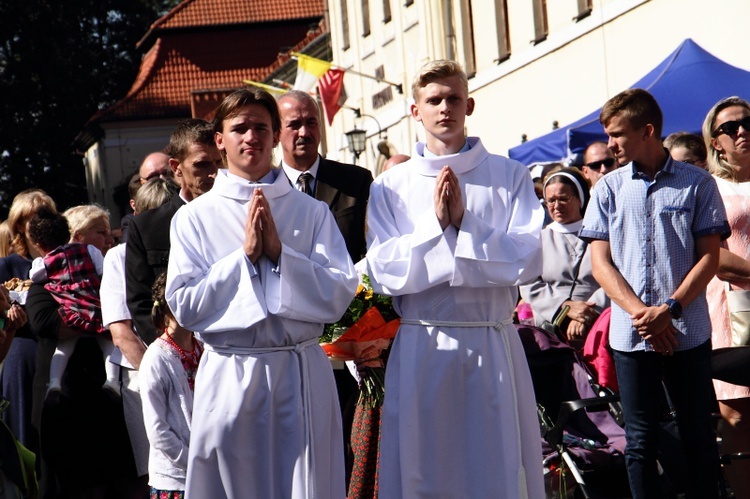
(276, 136)
(219, 139)
(174, 165)
(132, 204)
(415, 112)
(649, 131)
(469, 106)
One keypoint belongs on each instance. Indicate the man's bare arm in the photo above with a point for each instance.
(661, 334)
(610, 279)
(128, 342)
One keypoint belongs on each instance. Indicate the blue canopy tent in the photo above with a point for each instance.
(686, 84)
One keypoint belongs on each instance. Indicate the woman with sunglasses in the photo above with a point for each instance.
(726, 131)
(566, 278)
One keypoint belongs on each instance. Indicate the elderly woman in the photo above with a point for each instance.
(89, 224)
(726, 131)
(85, 448)
(566, 278)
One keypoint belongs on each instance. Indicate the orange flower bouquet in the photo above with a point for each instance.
(364, 334)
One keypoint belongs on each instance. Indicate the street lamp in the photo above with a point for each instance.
(356, 141)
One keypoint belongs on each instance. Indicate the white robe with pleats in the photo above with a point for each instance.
(459, 418)
(266, 421)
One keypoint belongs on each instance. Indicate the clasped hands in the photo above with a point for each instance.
(449, 206)
(654, 324)
(261, 237)
(582, 315)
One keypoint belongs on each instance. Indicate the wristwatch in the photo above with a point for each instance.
(675, 308)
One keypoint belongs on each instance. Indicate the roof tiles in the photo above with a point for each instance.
(182, 61)
(193, 13)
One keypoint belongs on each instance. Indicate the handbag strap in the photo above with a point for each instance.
(577, 268)
(562, 312)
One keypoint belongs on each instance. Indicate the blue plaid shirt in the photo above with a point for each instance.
(651, 227)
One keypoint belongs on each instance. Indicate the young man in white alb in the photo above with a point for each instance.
(451, 233)
(256, 268)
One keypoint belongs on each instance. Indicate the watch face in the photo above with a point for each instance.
(675, 308)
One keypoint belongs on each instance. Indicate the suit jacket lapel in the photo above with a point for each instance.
(323, 190)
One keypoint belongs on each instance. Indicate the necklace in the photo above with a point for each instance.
(189, 359)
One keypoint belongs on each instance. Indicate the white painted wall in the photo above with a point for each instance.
(118, 153)
(574, 71)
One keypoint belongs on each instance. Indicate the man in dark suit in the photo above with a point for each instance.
(194, 159)
(344, 188)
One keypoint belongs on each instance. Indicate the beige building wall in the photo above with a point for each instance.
(122, 149)
(559, 77)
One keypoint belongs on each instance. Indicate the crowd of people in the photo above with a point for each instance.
(184, 361)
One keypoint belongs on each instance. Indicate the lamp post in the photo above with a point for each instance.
(356, 141)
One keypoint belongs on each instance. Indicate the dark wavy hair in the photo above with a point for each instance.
(48, 229)
(160, 311)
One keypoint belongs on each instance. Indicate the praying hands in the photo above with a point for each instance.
(261, 236)
(449, 206)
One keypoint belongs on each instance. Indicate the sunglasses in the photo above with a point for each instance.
(732, 127)
(597, 165)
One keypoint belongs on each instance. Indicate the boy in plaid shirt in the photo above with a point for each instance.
(71, 272)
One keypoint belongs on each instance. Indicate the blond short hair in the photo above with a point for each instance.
(438, 70)
(155, 193)
(82, 218)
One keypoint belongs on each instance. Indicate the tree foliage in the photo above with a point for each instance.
(60, 62)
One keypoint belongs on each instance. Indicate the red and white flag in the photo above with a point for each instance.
(332, 93)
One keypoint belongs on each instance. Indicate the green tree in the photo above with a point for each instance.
(60, 62)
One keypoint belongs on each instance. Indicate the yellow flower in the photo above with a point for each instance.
(360, 289)
(368, 294)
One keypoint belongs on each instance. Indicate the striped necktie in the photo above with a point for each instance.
(305, 180)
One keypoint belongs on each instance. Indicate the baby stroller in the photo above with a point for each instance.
(581, 438)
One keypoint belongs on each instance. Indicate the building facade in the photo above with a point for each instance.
(532, 64)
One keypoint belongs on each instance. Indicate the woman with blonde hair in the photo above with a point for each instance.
(89, 224)
(6, 236)
(25, 205)
(726, 131)
(16, 379)
(87, 422)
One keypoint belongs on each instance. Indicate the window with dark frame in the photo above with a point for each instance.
(503, 30)
(584, 9)
(541, 29)
(344, 25)
(365, 18)
(386, 11)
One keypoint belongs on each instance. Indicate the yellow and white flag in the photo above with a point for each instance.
(309, 71)
(268, 88)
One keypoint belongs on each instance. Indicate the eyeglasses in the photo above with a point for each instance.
(732, 127)
(154, 175)
(597, 165)
(561, 201)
